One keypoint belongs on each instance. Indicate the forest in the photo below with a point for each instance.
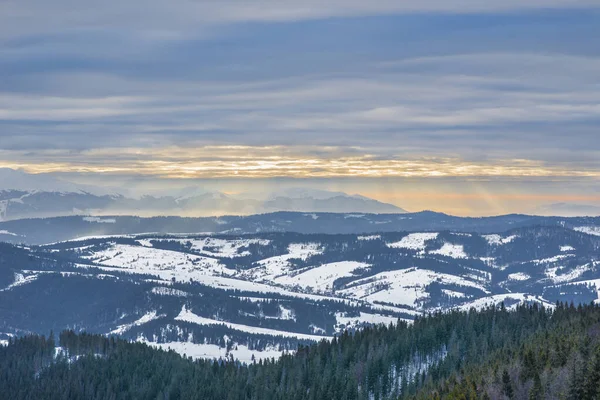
(530, 352)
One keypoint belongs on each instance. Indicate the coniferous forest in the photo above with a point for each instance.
(528, 353)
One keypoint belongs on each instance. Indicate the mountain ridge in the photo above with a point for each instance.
(53, 229)
(19, 204)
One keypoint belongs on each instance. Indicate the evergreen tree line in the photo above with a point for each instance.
(528, 353)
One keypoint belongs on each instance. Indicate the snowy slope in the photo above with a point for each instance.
(260, 294)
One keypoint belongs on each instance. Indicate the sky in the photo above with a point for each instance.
(464, 106)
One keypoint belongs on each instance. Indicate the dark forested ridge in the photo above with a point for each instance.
(529, 353)
(50, 230)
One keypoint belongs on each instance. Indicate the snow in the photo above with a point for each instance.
(149, 316)
(313, 216)
(370, 237)
(3, 342)
(100, 220)
(221, 248)
(321, 278)
(567, 248)
(404, 287)
(497, 240)
(188, 316)
(519, 276)
(590, 230)
(554, 259)
(344, 322)
(212, 351)
(495, 300)
(218, 282)
(166, 291)
(286, 314)
(129, 236)
(452, 293)
(451, 250)
(3, 232)
(253, 299)
(316, 329)
(414, 241)
(592, 282)
(20, 280)
(146, 260)
(575, 273)
(272, 267)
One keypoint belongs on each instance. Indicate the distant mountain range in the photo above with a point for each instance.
(568, 209)
(30, 196)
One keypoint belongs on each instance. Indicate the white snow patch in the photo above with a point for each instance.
(414, 241)
(222, 248)
(20, 280)
(453, 293)
(3, 232)
(272, 267)
(321, 278)
(519, 276)
(188, 316)
(497, 240)
(495, 300)
(150, 316)
(370, 237)
(567, 248)
(219, 282)
(345, 322)
(145, 242)
(451, 250)
(286, 313)
(552, 259)
(212, 351)
(166, 291)
(590, 230)
(148, 260)
(403, 287)
(569, 276)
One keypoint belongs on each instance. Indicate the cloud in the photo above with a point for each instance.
(347, 88)
(279, 161)
(161, 20)
(501, 102)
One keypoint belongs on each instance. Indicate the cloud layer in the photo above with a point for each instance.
(336, 89)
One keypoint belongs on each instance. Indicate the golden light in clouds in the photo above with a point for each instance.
(275, 161)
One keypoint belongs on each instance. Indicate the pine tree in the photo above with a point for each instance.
(536, 392)
(507, 388)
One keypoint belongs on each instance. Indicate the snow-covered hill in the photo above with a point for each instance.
(260, 294)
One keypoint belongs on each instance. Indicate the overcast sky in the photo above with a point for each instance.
(465, 106)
